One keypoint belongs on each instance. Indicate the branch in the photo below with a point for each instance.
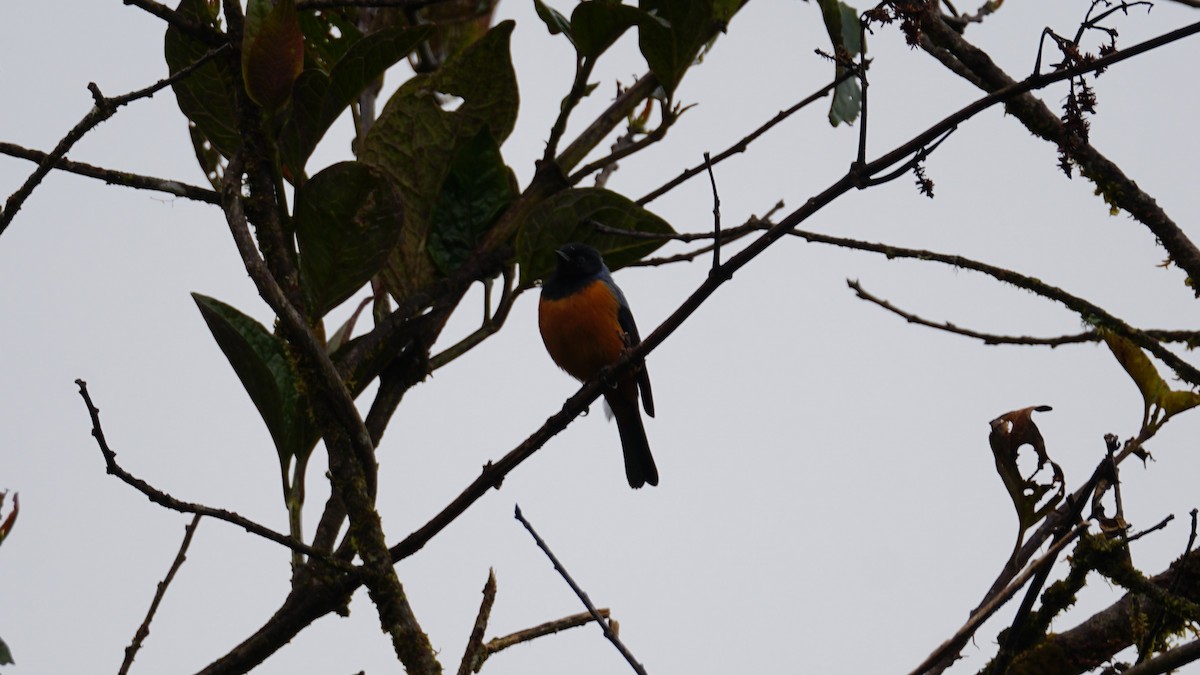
(114, 177)
(1090, 313)
(351, 450)
(608, 120)
(1117, 188)
(541, 630)
(476, 651)
(583, 597)
(143, 630)
(165, 500)
(186, 24)
(741, 145)
(104, 108)
(985, 611)
(1172, 659)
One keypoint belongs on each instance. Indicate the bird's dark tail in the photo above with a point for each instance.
(639, 463)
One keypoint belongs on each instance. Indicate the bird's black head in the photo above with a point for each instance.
(577, 264)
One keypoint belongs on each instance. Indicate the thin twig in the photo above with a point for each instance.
(186, 24)
(1089, 312)
(1146, 648)
(716, 210)
(115, 177)
(163, 499)
(103, 109)
(583, 597)
(143, 630)
(541, 630)
(1154, 528)
(476, 652)
(745, 142)
(1169, 661)
(989, 608)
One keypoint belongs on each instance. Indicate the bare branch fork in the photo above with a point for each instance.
(163, 499)
(609, 633)
(103, 109)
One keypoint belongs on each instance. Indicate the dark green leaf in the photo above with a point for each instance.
(597, 24)
(272, 51)
(845, 33)
(847, 101)
(555, 22)
(414, 141)
(671, 39)
(571, 216)
(477, 190)
(5, 655)
(327, 36)
(347, 222)
(261, 364)
(206, 96)
(318, 100)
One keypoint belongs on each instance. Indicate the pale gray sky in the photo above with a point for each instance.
(828, 500)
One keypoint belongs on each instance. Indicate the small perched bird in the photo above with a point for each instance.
(586, 324)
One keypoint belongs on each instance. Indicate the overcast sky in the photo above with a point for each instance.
(828, 500)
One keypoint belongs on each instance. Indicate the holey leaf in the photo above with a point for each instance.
(1160, 401)
(572, 215)
(319, 98)
(259, 360)
(1038, 494)
(415, 141)
(348, 220)
(272, 51)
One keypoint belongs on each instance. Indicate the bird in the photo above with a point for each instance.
(586, 325)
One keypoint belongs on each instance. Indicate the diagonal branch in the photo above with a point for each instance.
(103, 109)
(1121, 191)
(608, 629)
(163, 499)
(115, 177)
(186, 24)
(143, 630)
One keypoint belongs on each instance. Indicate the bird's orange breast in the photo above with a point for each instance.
(581, 331)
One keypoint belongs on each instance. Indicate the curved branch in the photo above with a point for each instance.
(1118, 189)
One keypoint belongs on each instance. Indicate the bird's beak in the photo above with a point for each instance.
(562, 255)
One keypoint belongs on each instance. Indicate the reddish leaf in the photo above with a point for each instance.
(272, 52)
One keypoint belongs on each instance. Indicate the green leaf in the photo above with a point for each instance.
(5, 655)
(206, 96)
(571, 216)
(845, 33)
(328, 34)
(671, 39)
(477, 190)
(347, 221)
(319, 99)
(555, 22)
(272, 51)
(414, 142)
(261, 364)
(597, 24)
